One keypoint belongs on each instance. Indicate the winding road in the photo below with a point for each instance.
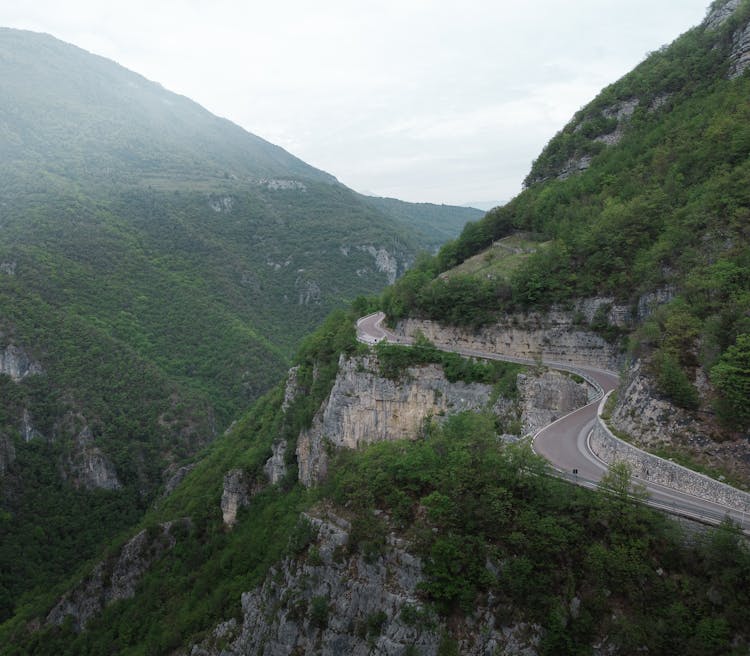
(565, 442)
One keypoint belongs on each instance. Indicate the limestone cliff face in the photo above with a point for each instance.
(117, 577)
(548, 396)
(239, 489)
(653, 422)
(557, 336)
(17, 363)
(323, 603)
(363, 407)
(87, 466)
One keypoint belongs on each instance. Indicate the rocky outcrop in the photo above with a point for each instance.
(385, 262)
(652, 422)
(275, 467)
(117, 577)
(175, 477)
(720, 13)
(28, 430)
(8, 268)
(87, 466)
(292, 388)
(363, 407)
(549, 396)
(325, 602)
(17, 363)
(308, 291)
(739, 58)
(574, 166)
(647, 467)
(558, 336)
(236, 495)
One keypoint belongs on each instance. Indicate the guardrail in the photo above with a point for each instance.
(676, 508)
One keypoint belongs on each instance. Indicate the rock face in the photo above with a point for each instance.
(739, 59)
(719, 14)
(292, 388)
(363, 407)
(117, 577)
(88, 467)
(175, 478)
(28, 431)
(647, 467)
(16, 363)
(323, 603)
(236, 495)
(653, 422)
(384, 262)
(557, 336)
(275, 467)
(548, 397)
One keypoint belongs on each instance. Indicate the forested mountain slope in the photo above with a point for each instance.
(158, 267)
(457, 541)
(642, 199)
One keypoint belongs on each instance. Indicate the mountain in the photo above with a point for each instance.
(158, 268)
(380, 500)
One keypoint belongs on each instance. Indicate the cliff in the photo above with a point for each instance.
(365, 407)
(327, 602)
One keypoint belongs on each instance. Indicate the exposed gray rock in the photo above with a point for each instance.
(364, 407)
(86, 465)
(548, 397)
(221, 204)
(653, 422)
(16, 363)
(385, 262)
(573, 166)
(278, 184)
(28, 431)
(175, 478)
(292, 388)
(739, 59)
(275, 467)
(648, 303)
(278, 617)
(239, 489)
(117, 577)
(8, 268)
(622, 111)
(7, 453)
(308, 291)
(720, 14)
(647, 467)
(556, 336)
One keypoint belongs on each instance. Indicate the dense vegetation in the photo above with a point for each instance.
(485, 518)
(200, 581)
(665, 208)
(161, 265)
(490, 524)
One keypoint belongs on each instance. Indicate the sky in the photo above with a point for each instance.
(440, 101)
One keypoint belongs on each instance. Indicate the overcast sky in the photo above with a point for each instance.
(443, 101)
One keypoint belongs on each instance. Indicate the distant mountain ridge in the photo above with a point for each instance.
(160, 264)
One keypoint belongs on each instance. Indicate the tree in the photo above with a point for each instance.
(731, 375)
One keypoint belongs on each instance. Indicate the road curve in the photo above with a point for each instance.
(564, 443)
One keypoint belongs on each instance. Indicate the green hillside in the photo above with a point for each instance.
(647, 188)
(159, 266)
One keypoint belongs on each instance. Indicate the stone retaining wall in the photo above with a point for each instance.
(648, 467)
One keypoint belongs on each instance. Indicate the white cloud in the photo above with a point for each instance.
(435, 100)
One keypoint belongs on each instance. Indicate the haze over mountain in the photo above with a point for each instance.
(383, 500)
(158, 267)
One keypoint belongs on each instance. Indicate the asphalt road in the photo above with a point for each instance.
(564, 443)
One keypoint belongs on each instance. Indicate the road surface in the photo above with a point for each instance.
(564, 443)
